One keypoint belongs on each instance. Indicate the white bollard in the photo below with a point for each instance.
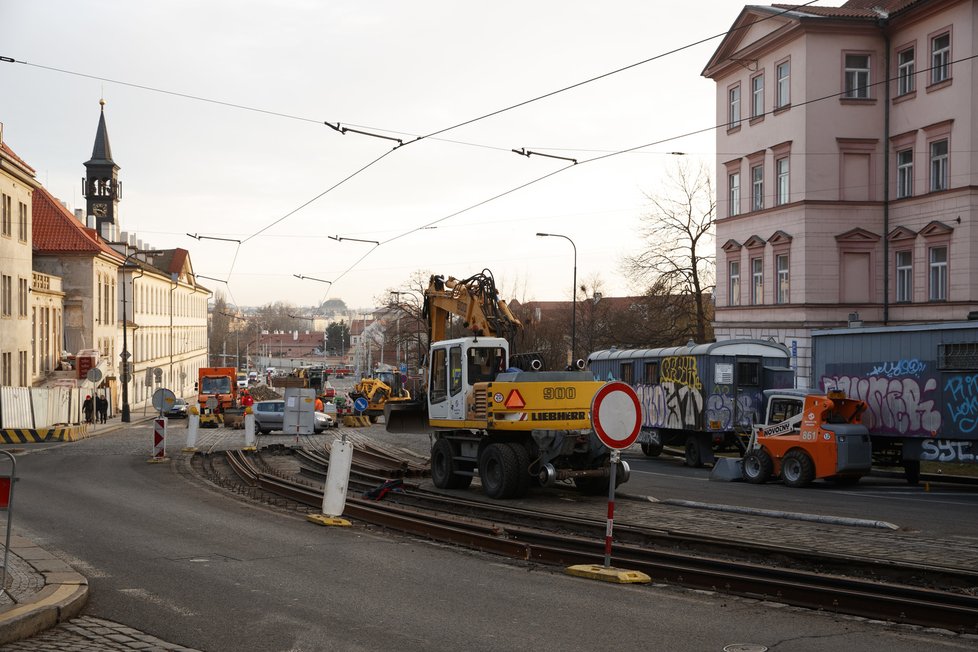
(249, 423)
(193, 422)
(337, 480)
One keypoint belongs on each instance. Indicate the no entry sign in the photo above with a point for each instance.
(616, 415)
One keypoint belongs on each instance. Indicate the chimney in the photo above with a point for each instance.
(80, 215)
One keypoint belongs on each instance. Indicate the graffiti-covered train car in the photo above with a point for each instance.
(701, 396)
(919, 381)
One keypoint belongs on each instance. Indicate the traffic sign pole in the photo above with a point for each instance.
(616, 416)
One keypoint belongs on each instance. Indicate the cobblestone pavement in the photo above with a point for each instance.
(86, 634)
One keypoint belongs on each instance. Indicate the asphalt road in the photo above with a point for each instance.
(191, 565)
(938, 508)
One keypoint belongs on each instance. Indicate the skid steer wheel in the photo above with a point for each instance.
(498, 471)
(694, 454)
(653, 448)
(758, 466)
(444, 465)
(797, 469)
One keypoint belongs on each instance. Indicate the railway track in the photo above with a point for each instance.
(842, 584)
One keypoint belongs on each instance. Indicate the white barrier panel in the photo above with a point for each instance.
(337, 478)
(193, 423)
(249, 428)
(159, 439)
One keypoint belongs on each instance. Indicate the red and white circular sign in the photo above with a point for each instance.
(616, 415)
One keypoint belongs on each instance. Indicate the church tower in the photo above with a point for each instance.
(102, 189)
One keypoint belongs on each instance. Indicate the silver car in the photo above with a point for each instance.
(270, 415)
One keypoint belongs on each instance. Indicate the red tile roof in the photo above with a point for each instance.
(851, 9)
(9, 152)
(57, 231)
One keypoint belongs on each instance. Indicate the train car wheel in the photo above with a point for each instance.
(653, 448)
(694, 454)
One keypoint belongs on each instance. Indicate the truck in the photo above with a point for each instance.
(511, 426)
(920, 383)
(805, 436)
(381, 387)
(218, 383)
(702, 397)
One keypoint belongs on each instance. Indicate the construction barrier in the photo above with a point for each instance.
(249, 428)
(337, 481)
(351, 421)
(193, 423)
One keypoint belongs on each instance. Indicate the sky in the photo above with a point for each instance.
(216, 115)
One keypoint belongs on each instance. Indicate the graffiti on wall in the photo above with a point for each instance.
(681, 370)
(729, 411)
(681, 407)
(961, 402)
(899, 368)
(903, 406)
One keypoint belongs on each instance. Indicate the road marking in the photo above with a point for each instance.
(158, 601)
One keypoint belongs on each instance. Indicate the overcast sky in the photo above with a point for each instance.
(396, 68)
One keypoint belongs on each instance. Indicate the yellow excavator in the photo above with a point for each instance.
(496, 414)
(382, 387)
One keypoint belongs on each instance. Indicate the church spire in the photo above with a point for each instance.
(101, 185)
(102, 152)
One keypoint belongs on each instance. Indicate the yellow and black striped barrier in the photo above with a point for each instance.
(40, 435)
(352, 421)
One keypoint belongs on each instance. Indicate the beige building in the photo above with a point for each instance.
(846, 166)
(17, 184)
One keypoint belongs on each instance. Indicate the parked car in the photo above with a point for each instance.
(270, 415)
(178, 410)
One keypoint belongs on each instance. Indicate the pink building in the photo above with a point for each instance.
(847, 168)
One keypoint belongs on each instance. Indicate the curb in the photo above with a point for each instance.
(64, 595)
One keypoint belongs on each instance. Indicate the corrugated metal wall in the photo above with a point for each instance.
(39, 407)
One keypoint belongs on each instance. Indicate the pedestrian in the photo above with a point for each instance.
(102, 408)
(88, 407)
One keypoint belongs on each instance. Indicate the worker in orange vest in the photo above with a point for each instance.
(246, 399)
(319, 404)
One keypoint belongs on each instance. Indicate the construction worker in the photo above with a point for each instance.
(246, 399)
(319, 404)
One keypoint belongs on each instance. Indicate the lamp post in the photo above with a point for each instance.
(126, 367)
(573, 295)
(398, 354)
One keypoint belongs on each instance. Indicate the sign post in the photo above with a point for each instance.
(616, 416)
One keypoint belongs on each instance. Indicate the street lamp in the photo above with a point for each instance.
(126, 367)
(398, 354)
(573, 295)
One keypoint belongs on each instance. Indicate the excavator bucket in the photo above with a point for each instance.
(406, 417)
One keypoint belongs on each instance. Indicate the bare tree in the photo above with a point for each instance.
(679, 262)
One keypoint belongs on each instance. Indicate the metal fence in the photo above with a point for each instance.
(40, 407)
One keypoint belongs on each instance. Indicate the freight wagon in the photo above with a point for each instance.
(919, 381)
(699, 396)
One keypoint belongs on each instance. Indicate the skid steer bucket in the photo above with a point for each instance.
(406, 417)
(727, 469)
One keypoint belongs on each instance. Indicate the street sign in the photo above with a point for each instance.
(159, 440)
(360, 404)
(158, 373)
(616, 415)
(126, 378)
(125, 355)
(163, 399)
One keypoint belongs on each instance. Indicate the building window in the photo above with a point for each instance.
(651, 373)
(757, 187)
(782, 262)
(904, 276)
(734, 194)
(6, 295)
(22, 297)
(938, 274)
(940, 58)
(734, 293)
(938, 165)
(857, 76)
(781, 166)
(904, 173)
(757, 96)
(5, 226)
(905, 72)
(22, 222)
(22, 360)
(6, 369)
(733, 101)
(757, 281)
(782, 95)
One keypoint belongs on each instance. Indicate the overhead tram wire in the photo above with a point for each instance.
(605, 156)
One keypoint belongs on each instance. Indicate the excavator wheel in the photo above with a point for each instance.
(444, 467)
(797, 469)
(498, 471)
(523, 467)
(758, 466)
